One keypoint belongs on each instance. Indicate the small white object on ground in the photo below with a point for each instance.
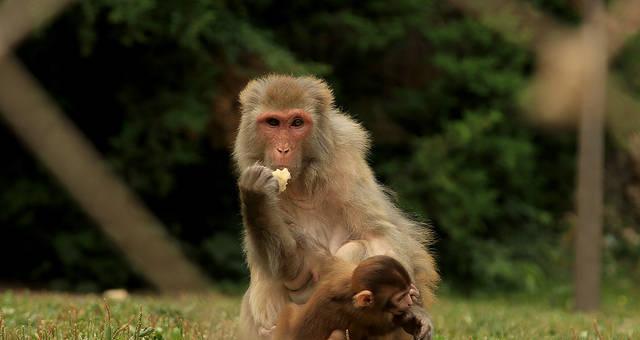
(115, 294)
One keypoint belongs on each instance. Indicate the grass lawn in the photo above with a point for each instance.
(29, 315)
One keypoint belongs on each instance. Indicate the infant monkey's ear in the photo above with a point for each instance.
(363, 299)
(282, 176)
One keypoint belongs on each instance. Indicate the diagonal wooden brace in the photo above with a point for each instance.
(71, 158)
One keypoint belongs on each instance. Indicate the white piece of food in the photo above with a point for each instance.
(116, 294)
(283, 177)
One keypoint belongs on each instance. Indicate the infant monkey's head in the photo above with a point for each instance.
(380, 283)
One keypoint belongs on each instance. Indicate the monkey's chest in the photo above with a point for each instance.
(326, 226)
(325, 229)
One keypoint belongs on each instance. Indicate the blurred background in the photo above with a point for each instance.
(473, 128)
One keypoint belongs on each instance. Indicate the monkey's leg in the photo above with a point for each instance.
(260, 309)
(426, 277)
(247, 327)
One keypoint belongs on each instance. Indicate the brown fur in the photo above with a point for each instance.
(379, 271)
(331, 306)
(332, 202)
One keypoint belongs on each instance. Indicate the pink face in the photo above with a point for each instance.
(284, 132)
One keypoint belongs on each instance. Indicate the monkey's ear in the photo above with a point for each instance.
(363, 299)
(320, 91)
(324, 95)
(250, 95)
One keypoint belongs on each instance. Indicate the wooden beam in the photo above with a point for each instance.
(623, 22)
(71, 158)
(517, 21)
(19, 17)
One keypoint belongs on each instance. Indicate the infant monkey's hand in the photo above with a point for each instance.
(282, 176)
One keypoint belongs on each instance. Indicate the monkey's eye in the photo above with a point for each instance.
(298, 122)
(273, 122)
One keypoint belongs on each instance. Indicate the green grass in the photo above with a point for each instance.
(63, 316)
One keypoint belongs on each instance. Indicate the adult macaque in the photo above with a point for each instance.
(332, 202)
(363, 301)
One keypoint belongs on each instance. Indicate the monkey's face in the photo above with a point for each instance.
(284, 133)
(400, 302)
(387, 299)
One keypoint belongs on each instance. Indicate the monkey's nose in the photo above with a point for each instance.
(283, 150)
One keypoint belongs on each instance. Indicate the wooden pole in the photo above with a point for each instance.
(588, 243)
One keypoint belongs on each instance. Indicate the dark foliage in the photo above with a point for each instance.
(152, 83)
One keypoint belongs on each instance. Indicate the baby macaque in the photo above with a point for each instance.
(370, 300)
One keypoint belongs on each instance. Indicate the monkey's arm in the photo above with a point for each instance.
(417, 322)
(269, 242)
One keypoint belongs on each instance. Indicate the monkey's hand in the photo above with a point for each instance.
(417, 322)
(257, 182)
(415, 294)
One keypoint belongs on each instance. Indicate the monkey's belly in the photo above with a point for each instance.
(301, 296)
